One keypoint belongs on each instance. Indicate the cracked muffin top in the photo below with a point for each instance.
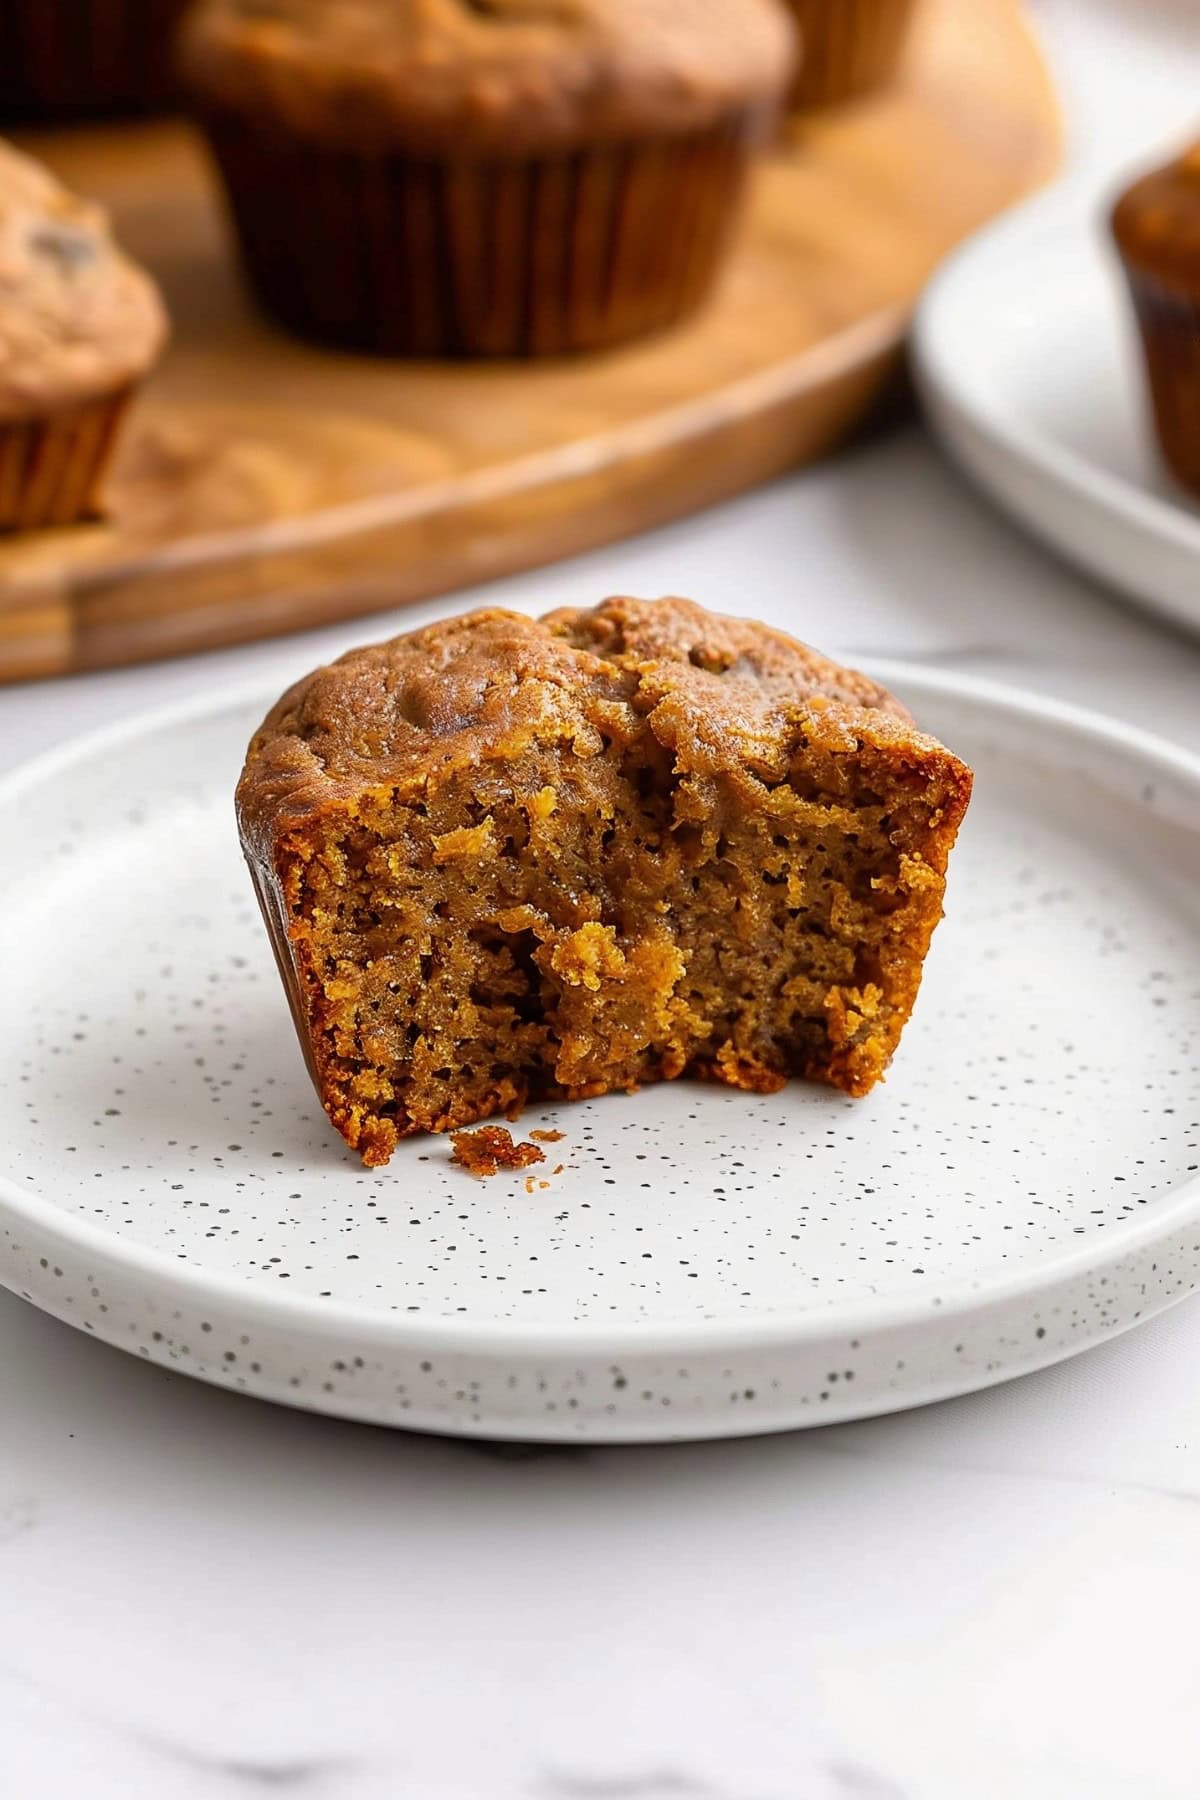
(475, 75)
(725, 696)
(78, 319)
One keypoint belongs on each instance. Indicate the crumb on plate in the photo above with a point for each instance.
(490, 1149)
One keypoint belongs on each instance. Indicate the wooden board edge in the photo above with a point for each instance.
(375, 555)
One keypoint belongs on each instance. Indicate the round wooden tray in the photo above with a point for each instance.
(263, 485)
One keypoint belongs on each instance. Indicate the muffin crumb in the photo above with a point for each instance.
(490, 1149)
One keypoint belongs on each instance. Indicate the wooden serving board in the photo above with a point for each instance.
(263, 485)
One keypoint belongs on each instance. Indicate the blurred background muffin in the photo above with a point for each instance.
(79, 326)
(1156, 225)
(850, 47)
(64, 58)
(504, 177)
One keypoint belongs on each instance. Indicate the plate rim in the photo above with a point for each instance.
(941, 388)
(863, 1318)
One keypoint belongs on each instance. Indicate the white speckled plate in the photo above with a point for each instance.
(703, 1262)
(1028, 363)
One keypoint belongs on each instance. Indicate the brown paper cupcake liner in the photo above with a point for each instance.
(848, 47)
(482, 257)
(62, 57)
(1169, 322)
(51, 468)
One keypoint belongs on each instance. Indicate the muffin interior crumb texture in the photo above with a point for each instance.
(490, 1148)
(515, 860)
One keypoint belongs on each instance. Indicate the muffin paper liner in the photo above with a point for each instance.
(271, 905)
(51, 468)
(60, 57)
(481, 256)
(848, 47)
(1169, 322)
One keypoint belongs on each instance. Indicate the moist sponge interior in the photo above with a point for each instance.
(569, 924)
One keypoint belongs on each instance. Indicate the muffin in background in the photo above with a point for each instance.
(1156, 225)
(850, 47)
(428, 177)
(69, 58)
(79, 326)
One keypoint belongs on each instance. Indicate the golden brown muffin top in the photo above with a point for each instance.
(1156, 222)
(77, 319)
(722, 695)
(505, 76)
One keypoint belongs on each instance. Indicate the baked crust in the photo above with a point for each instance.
(493, 76)
(478, 687)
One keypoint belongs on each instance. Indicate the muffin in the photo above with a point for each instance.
(79, 327)
(64, 58)
(484, 177)
(850, 47)
(1156, 225)
(504, 859)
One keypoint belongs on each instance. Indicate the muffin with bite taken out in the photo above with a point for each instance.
(505, 860)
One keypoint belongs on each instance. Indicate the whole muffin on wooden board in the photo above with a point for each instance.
(62, 59)
(1156, 225)
(80, 325)
(484, 177)
(850, 47)
(505, 859)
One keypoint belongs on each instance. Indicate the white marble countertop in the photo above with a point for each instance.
(991, 1599)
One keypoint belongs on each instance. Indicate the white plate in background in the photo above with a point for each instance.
(1028, 365)
(705, 1263)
